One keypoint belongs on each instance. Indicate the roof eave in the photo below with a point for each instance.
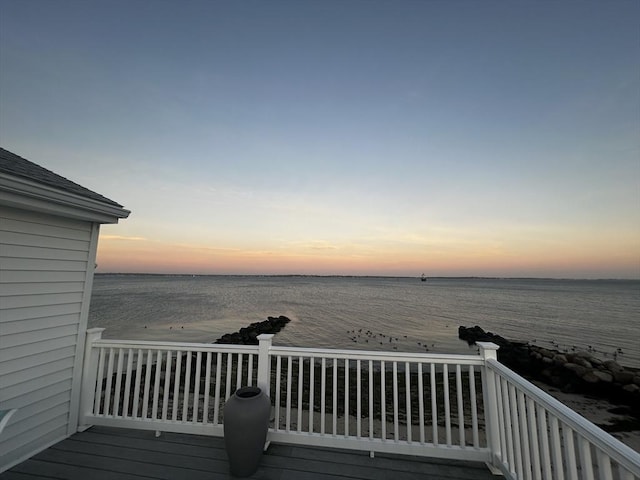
(26, 194)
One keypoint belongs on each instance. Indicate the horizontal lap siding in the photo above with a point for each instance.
(43, 265)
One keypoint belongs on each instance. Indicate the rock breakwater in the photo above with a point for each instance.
(574, 372)
(249, 335)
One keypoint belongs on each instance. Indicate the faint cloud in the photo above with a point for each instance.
(312, 245)
(123, 237)
(203, 248)
(323, 247)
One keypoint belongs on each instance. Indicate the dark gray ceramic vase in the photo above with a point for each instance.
(246, 422)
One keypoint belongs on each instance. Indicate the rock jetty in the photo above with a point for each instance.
(249, 335)
(575, 372)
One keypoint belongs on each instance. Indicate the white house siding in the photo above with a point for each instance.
(46, 270)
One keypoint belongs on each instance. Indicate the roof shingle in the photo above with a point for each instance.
(13, 164)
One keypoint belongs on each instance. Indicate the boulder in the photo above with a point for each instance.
(612, 366)
(603, 376)
(583, 354)
(547, 353)
(623, 377)
(596, 362)
(579, 370)
(583, 361)
(590, 377)
(560, 359)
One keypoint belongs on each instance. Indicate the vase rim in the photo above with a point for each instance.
(248, 392)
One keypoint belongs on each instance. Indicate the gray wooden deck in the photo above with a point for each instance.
(102, 453)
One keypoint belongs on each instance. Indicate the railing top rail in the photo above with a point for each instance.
(176, 346)
(378, 355)
(437, 358)
(617, 450)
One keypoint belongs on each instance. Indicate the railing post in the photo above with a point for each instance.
(489, 351)
(264, 362)
(89, 374)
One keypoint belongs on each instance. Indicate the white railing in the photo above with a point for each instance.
(533, 436)
(162, 386)
(403, 403)
(449, 406)
(380, 402)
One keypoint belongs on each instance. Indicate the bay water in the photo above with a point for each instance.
(375, 313)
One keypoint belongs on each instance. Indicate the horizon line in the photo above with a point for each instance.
(461, 277)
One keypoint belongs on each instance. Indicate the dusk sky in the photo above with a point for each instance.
(454, 138)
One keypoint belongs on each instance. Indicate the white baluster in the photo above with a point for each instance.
(533, 439)
(334, 419)
(359, 399)
(176, 386)
(127, 384)
(107, 390)
(511, 458)
(288, 396)
(586, 462)
(474, 407)
(216, 398)
(346, 397)
(167, 384)
(116, 396)
(312, 388)
(370, 399)
(544, 443)
(383, 402)
(434, 404)
(524, 435)
(323, 391)
(227, 378)
(207, 390)
(98, 397)
(395, 401)
(300, 391)
(460, 406)
(556, 449)
(447, 405)
(196, 388)
(278, 374)
(187, 387)
(239, 361)
(515, 425)
(407, 381)
(156, 385)
(421, 418)
(569, 452)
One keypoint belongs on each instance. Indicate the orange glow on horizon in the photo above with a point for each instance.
(137, 255)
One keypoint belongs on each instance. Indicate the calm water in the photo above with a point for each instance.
(331, 311)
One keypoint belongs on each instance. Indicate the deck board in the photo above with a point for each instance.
(102, 453)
